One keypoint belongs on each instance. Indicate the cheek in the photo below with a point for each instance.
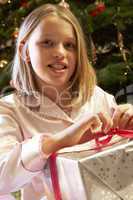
(35, 53)
(36, 59)
(73, 65)
(75, 59)
(72, 59)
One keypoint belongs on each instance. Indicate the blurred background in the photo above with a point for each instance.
(108, 27)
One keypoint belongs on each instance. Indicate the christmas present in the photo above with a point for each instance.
(104, 172)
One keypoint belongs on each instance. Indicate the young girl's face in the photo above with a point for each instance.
(52, 51)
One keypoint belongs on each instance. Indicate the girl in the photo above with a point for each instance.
(56, 101)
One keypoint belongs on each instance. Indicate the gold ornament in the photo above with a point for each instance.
(3, 1)
(15, 33)
(64, 4)
(3, 63)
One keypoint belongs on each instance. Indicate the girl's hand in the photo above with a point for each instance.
(123, 116)
(105, 124)
(106, 121)
(70, 136)
(74, 134)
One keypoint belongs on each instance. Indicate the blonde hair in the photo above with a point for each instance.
(84, 79)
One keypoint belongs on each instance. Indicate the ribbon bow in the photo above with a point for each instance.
(103, 139)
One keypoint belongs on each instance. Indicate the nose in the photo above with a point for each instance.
(59, 52)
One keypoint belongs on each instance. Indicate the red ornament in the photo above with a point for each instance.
(94, 13)
(100, 7)
(24, 4)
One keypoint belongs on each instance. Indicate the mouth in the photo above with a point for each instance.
(58, 66)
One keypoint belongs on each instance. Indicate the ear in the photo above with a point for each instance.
(22, 43)
(26, 57)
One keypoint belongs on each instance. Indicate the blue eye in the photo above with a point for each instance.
(48, 43)
(70, 45)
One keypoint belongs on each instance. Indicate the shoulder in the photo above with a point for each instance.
(101, 101)
(7, 102)
(8, 99)
(101, 94)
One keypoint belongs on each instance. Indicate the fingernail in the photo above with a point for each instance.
(106, 130)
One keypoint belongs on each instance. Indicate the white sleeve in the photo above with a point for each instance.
(20, 160)
(102, 101)
(110, 102)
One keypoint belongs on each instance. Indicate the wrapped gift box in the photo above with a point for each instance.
(90, 175)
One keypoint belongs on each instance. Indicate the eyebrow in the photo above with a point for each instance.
(48, 35)
(52, 35)
(72, 38)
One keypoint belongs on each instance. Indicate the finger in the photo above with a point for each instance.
(130, 124)
(125, 118)
(94, 122)
(121, 115)
(117, 115)
(106, 121)
(87, 122)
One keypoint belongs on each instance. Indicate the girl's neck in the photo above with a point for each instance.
(61, 96)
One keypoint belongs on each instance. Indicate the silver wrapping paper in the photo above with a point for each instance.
(92, 175)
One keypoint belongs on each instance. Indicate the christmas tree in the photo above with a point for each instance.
(108, 29)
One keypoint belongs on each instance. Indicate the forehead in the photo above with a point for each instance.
(55, 25)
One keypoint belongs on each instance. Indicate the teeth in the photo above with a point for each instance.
(56, 66)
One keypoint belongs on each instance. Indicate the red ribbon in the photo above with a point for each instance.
(54, 176)
(100, 140)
